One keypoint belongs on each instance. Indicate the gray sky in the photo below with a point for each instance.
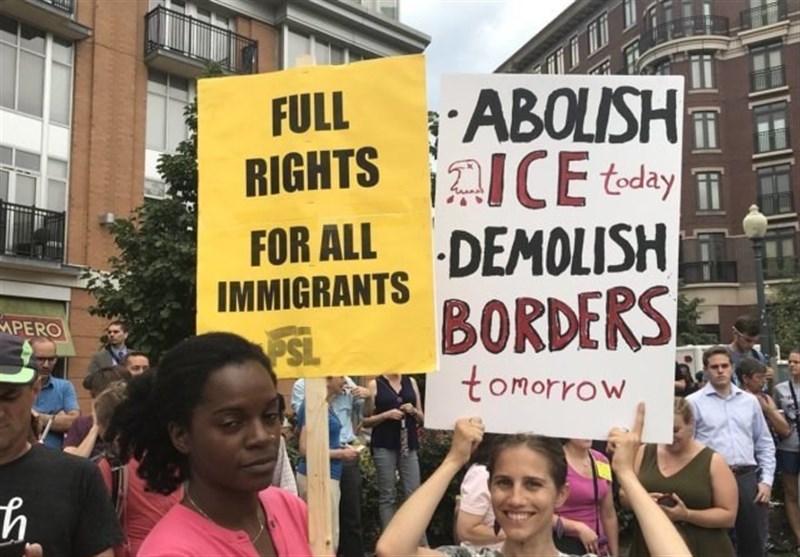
(474, 36)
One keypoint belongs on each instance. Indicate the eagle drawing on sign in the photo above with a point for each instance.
(467, 181)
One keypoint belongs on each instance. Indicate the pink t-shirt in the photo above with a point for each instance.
(183, 532)
(476, 500)
(143, 509)
(580, 505)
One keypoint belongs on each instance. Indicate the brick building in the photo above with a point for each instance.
(93, 91)
(741, 141)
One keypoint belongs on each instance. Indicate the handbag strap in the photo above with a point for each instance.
(596, 492)
(796, 406)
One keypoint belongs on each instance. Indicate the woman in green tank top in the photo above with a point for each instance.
(693, 485)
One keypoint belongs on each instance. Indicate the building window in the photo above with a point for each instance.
(702, 65)
(26, 54)
(631, 55)
(301, 46)
(537, 69)
(663, 68)
(19, 176)
(687, 8)
(708, 191)
(711, 249)
(155, 189)
(167, 99)
(780, 253)
(651, 18)
(598, 33)
(775, 190)
(629, 12)
(602, 69)
(574, 53)
(771, 125)
(767, 67)
(56, 198)
(705, 130)
(555, 62)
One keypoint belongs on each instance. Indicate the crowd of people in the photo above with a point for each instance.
(191, 459)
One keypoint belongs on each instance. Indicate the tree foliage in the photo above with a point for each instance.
(433, 148)
(784, 314)
(687, 329)
(151, 284)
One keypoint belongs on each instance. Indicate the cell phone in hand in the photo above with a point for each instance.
(666, 501)
(12, 548)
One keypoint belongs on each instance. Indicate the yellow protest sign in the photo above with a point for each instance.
(314, 232)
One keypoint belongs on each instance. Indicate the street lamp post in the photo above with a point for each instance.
(755, 228)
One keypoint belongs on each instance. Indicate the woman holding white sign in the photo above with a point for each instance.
(527, 481)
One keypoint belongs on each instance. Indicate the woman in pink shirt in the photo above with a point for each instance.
(587, 520)
(208, 419)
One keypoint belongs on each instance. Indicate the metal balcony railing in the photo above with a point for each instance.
(198, 40)
(768, 78)
(63, 5)
(683, 27)
(31, 232)
(708, 271)
(772, 140)
(781, 267)
(763, 15)
(776, 203)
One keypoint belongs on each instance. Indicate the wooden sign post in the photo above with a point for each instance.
(319, 467)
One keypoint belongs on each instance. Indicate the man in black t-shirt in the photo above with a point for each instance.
(47, 498)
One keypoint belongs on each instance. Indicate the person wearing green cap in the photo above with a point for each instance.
(53, 501)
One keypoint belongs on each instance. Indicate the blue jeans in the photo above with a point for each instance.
(388, 463)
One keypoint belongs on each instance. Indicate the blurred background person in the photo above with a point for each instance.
(692, 484)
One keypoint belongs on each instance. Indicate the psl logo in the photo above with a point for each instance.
(296, 343)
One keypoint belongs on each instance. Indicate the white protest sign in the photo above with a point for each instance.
(556, 241)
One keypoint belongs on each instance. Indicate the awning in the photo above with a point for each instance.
(27, 318)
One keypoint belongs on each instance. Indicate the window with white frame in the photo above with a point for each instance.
(629, 12)
(664, 67)
(537, 69)
(597, 32)
(27, 54)
(602, 69)
(299, 46)
(708, 191)
(574, 52)
(702, 65)
(555, 62)
(20, 173)
(705, 129)
(155, 189)
(631, 56)
(167, 99)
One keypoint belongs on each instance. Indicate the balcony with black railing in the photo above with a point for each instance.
(181, 44)
(772, 140)
(697, 272)
(684, 27)
(31, 232)
(780, 203)
(781, 267)
(763, 15)
(56, 16)
(768, 78)
(63, 5)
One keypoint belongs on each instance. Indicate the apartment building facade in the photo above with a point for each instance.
(92, 92)
(741, 137)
